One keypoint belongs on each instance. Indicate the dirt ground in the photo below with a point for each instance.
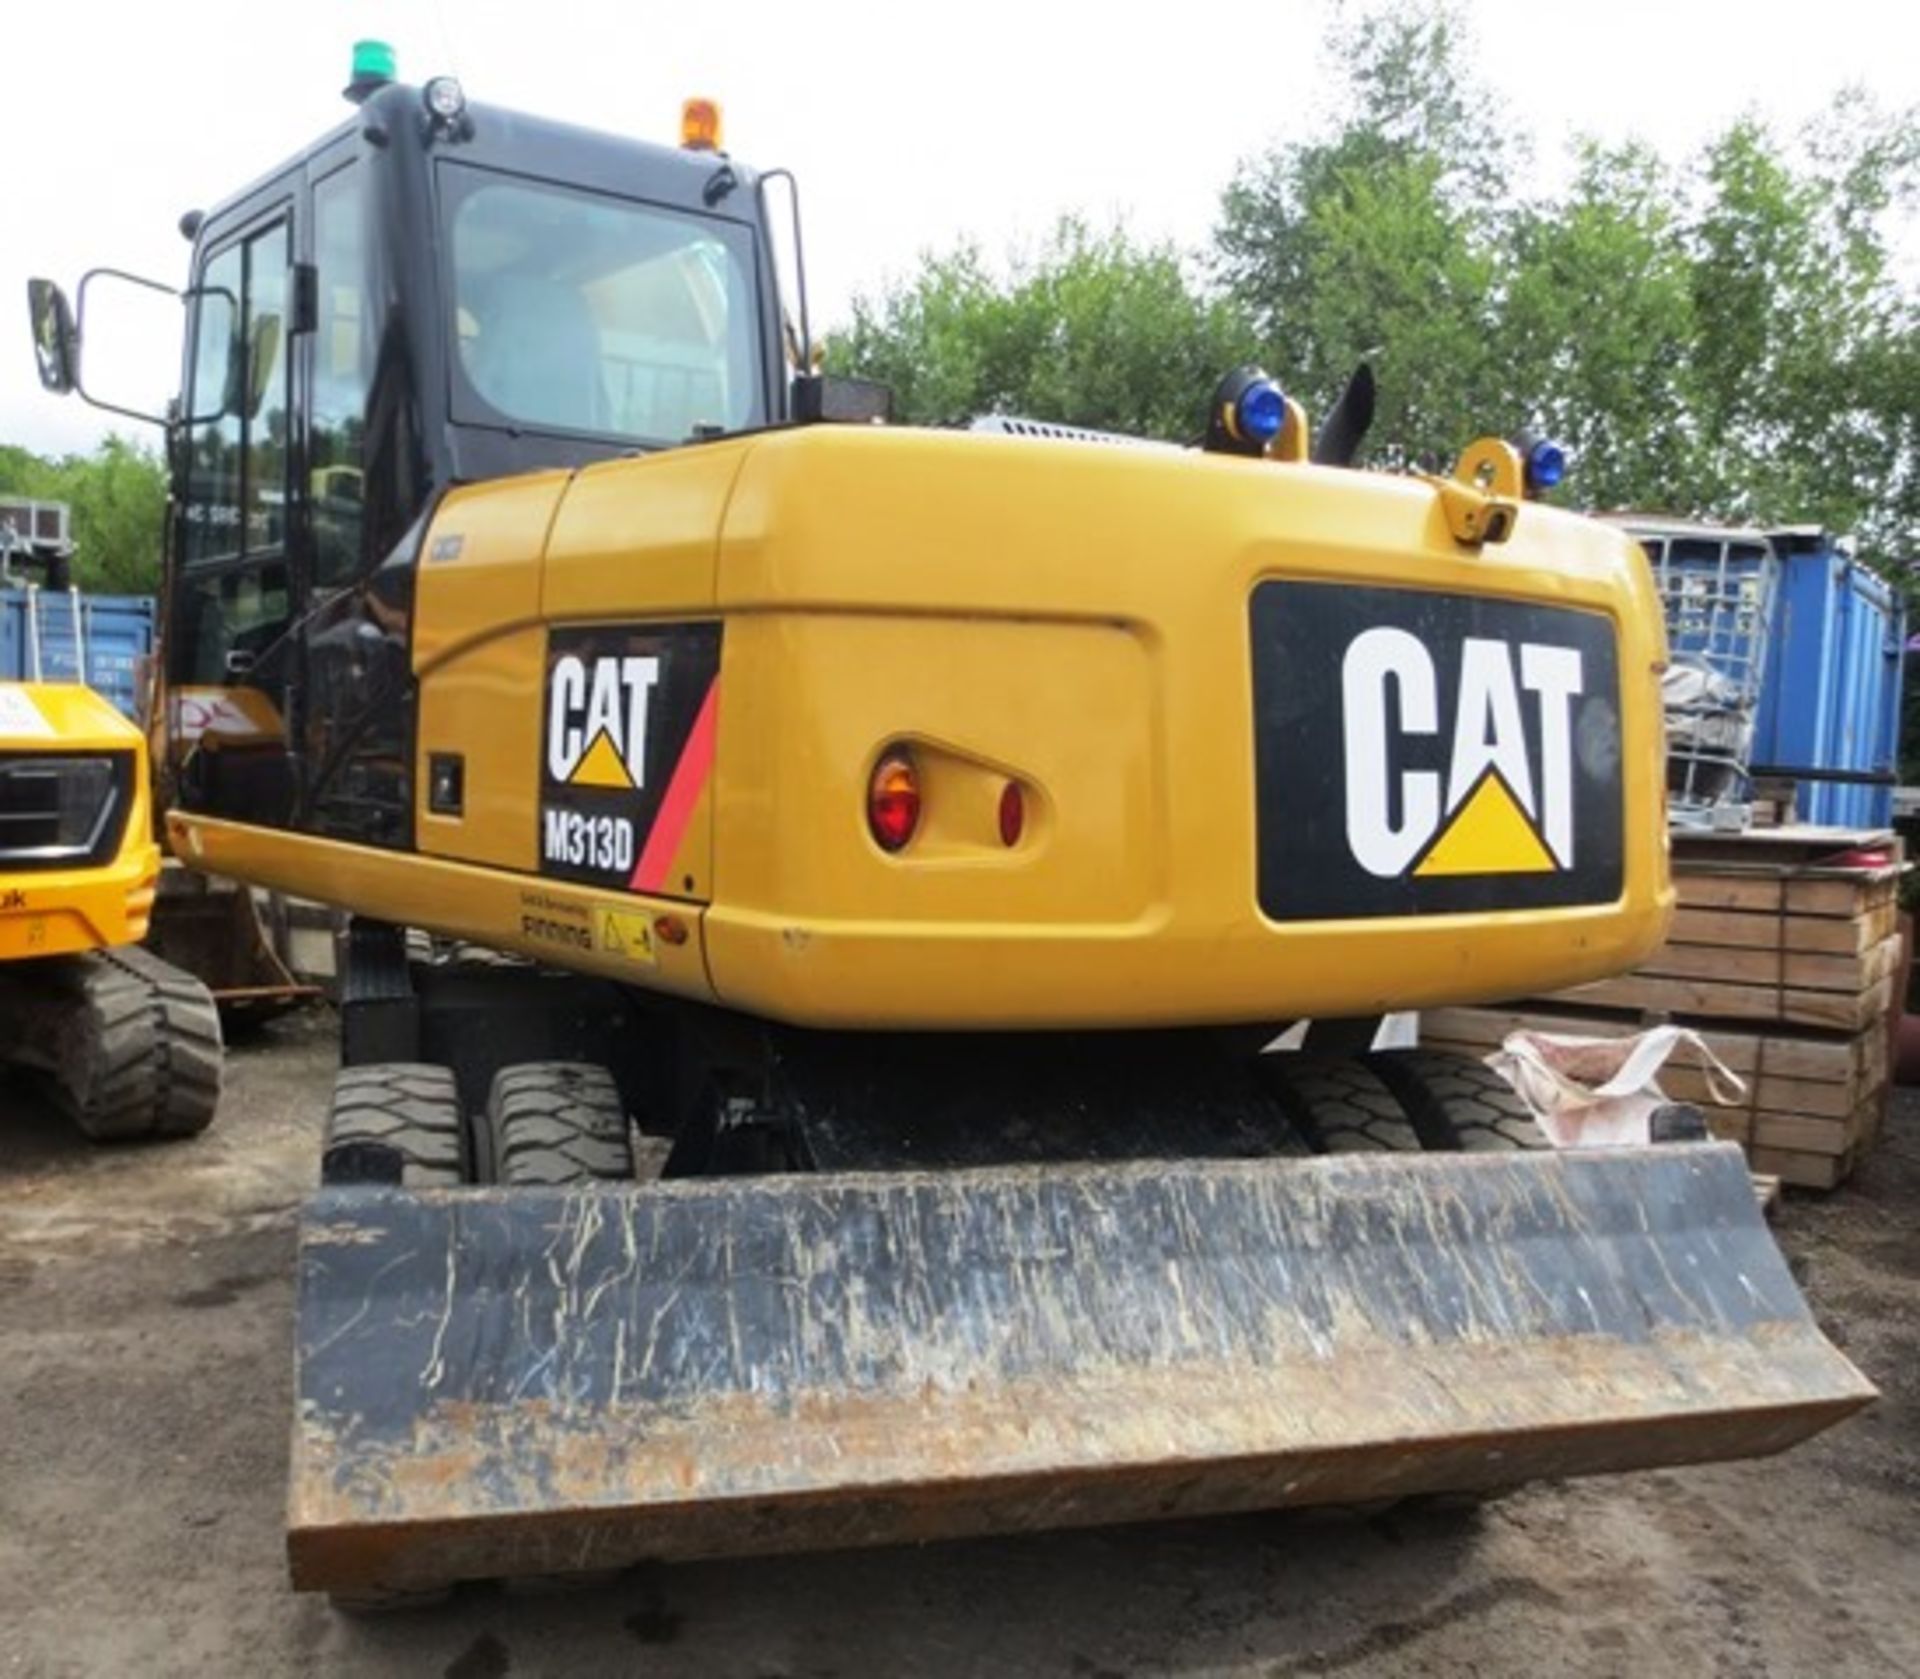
(144, 1381)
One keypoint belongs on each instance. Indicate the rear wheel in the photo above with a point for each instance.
(557, 1123)
(1339, 1107)
(395, 1122)
(1458, 1103)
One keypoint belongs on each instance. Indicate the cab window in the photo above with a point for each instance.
(233, 601)
(237, 451)
(577, 311)
(342, 372)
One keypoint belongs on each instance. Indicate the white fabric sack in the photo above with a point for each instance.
(1601, 1092)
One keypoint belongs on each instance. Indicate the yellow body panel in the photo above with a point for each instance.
(647, 527)
(479, 575)
(867, 558)
(478, 705)
(1073, 617)
(478, 646)
(624, 936)
(58, 911)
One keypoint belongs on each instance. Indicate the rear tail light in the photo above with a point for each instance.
(1013, 813)
(893, 800)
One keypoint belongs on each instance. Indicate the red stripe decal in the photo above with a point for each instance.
(683, 793)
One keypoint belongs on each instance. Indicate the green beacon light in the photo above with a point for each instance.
(374, 67)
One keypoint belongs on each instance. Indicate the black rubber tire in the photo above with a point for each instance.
(558, 1123)
(141, 1050)
(1339, 1107)
(1458, 1103)
(409, 1107)
(192, 1046)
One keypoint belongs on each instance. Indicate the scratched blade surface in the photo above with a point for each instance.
(506, 1382)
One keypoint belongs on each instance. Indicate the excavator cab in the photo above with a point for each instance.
(428, 296)
(829, 900)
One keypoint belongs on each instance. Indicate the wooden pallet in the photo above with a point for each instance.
(1776, 930)
(1795, 989)
(1805, 1171)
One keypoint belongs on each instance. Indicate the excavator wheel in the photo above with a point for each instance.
(159, 1045)
(1340, 1107)
(557, 1123)
(393, 1117)
(1457, 1103)
(127, 1047)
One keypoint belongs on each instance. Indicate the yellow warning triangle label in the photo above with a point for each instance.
(1489, 834)
(625, 933)
(601, 766)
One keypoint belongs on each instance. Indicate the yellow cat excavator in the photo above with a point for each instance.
(825, 894)
(125, 1045)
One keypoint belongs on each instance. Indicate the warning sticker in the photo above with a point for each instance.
(20, 715)
(626, 933)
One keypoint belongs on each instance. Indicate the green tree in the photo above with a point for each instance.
(118, 495)
(1729, 339)
(1382, 240)
(1597, 325)
(1803, 365)
(1094, 330)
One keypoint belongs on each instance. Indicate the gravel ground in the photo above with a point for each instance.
(144, 1408)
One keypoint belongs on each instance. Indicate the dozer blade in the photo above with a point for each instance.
(495, 1382)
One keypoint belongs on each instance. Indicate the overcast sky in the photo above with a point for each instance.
(908, 125)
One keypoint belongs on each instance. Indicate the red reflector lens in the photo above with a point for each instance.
(1013, 813)
(893, 801)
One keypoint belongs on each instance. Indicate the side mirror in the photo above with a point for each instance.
(129, 321)
(56, 346)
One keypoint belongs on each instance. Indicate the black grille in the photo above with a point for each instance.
(62, 808)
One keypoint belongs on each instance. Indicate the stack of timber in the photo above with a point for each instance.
(1785, 956)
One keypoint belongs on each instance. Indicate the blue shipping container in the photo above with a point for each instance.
(1817, 635)
(116, 629)
(1831, 700)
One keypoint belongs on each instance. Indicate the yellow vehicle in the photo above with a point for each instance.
(912, 843)
(127, 1046)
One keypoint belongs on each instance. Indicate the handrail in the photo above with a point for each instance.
(33, 630)
(79, 633)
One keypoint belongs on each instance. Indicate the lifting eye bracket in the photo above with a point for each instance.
(1292, 442)
(1481, 500)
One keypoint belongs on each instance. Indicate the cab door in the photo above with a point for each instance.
(363, 484)
(231, 657)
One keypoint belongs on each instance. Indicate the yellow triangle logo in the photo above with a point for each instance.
(601, 765)
(1489, 834)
